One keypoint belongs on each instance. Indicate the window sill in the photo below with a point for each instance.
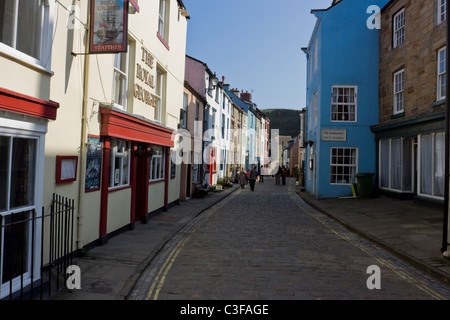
(23, 59)
(398, 115)
(113, 189)
(439, 103)
(163, 41)
(156, 181)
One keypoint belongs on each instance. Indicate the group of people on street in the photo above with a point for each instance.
(250, 177)
(281, 174)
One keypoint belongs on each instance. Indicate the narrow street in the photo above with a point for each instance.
(270, 245)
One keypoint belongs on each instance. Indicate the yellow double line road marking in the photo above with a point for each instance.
(401, 273)
(160, 279)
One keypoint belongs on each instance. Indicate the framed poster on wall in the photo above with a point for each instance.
(93, 164)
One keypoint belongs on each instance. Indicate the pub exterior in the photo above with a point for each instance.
(90, 111)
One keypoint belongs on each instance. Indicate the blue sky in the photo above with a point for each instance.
(256, 45)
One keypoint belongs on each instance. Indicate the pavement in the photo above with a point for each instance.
(408, 229)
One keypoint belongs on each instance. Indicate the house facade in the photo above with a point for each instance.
(97, 127)
(410, 135)
(205, 82)
(342, 97)
(27, 108)
(191, 124)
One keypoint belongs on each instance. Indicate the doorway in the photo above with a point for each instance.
(188, 181)
(142, 165)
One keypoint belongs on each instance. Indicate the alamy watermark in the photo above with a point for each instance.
(374, 21)
(73, 281)
(374, 281)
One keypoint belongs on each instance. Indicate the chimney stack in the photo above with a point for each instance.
(235, 91)
(247, 97)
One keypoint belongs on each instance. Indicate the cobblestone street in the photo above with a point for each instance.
(270, 245)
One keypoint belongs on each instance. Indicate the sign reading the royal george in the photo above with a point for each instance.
(334, 135)
(144, 88)
(108, 26)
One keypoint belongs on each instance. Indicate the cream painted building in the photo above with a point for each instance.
(96, 128)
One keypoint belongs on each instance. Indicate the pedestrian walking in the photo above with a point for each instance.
(243, 178)
(261, 177)
(252, 177)
(278, 175)
(283, 176)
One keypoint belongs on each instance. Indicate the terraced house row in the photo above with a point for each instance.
(379, 108)
(93, 96)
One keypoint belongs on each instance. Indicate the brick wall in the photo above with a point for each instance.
(417, 55)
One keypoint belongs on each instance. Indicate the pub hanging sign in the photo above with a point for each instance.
(108, 26)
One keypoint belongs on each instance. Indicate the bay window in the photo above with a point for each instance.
(432, 164)
(396, 164)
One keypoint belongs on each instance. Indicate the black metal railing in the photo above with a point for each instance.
(20, 236)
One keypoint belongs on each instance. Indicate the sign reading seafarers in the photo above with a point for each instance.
(334, 135)
(145, 73)
(108, 26)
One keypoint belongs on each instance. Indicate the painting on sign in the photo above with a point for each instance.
(108, 26)
(93, 164)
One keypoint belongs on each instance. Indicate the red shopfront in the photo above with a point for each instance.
(149, 160)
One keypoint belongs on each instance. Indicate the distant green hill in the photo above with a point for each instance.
(285, 120)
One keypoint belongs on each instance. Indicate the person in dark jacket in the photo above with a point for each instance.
(252, 177)
(278, 175)
(283, 176)
(243, 178)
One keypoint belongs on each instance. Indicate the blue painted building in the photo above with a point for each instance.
(342, 96)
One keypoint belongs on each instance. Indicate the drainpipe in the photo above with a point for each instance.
(444, 248)
(83, 140)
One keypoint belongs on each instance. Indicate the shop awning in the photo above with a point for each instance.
(125, 126)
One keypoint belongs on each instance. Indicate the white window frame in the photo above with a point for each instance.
(184, 112)
(159, 156)
(343, 165)
(115, 153)
(441, 74)
(162, 21)
(121, 72)
(433, 162)
(381, 169)
(33, 132)
(45, 50)
(442, 11)
(399, 28)
(159, 94)
(399, 92)
(335, 115)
